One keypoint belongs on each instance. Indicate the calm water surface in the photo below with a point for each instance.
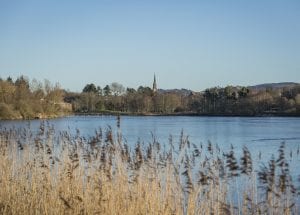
(260, 134)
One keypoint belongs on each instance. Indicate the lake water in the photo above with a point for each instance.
(260, 134)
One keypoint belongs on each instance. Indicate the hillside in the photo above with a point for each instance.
(274, 85)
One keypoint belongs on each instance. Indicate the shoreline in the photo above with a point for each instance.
(113, 113)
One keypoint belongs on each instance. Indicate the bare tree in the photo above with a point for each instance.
(117, 88)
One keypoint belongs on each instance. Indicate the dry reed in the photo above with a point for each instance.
(50, 173)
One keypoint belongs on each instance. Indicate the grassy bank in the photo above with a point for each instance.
(51, 173)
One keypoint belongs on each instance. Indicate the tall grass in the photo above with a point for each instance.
(60, 173)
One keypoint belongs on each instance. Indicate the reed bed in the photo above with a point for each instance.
(59, 173)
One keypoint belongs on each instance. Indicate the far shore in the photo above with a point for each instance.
(116, 113)
(191, 114)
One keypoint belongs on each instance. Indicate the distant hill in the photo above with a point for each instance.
(281, 85)
(274, 85)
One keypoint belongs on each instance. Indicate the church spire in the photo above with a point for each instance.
(154, 89)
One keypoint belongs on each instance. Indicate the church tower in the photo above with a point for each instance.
(154, 89)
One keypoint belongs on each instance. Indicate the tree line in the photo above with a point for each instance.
(24, 99)
(229, 100)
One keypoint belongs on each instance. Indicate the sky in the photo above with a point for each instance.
(187, 44)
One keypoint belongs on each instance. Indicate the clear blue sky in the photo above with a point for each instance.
(188, 44)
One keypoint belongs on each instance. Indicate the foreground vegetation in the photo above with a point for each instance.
(22, 99)
(49, 173)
